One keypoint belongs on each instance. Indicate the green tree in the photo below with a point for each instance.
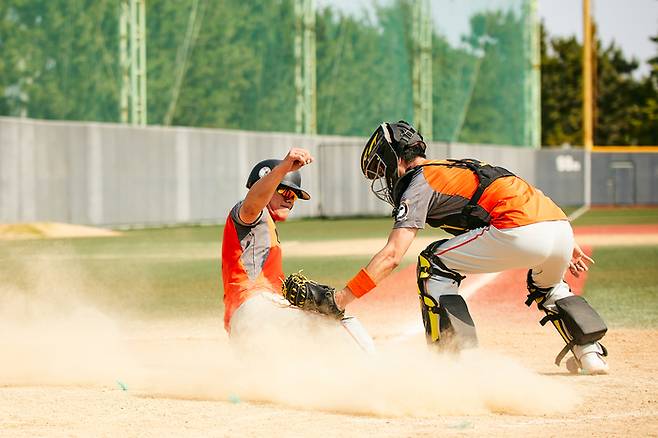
(561, 95)
(59, 59)
(625, 106)
(364, 70)
(240, 71)
(646, 124)
(495, 112)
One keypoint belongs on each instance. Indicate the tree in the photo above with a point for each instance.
(625, 107)
(58, 61)
(646, 124)
(561, 95)
(495, 111)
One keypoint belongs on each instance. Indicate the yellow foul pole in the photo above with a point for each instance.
(587, 106)
(587, 77)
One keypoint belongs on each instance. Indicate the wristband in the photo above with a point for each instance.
(361, 284)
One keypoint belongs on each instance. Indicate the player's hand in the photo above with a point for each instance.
(343, 297)
(297, 158)
(579, 261)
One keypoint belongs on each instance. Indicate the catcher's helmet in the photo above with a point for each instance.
(379, 159)
(292, 180)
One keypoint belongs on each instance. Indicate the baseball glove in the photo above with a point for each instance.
(310, 295)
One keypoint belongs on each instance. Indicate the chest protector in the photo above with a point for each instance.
(472, 215)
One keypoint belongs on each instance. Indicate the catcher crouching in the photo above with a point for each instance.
(498, 221)
(252, 273)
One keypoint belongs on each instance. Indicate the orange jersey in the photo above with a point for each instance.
(442, 191)
(251, 260)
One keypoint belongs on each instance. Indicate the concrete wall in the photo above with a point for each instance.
(117, 175)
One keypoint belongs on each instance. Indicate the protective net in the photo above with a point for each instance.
(460, 70)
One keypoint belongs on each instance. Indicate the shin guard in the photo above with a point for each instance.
(575, 320)
(448, 323)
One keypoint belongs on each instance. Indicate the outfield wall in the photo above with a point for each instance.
(118, 175)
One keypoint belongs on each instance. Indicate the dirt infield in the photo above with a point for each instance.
(51, 230)
(88, 375)
(69, 370)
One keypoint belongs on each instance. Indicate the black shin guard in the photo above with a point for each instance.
(448, 323)
(574, 319)
(577, 322)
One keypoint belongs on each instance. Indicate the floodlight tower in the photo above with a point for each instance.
(132, 60)
(422, 67)
(532, 83)
(305, 68)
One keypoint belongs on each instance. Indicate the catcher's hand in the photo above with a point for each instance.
(309, 295)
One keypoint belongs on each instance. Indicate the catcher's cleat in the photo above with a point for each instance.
(589, 358)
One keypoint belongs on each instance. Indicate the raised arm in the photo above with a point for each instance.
(261, 192)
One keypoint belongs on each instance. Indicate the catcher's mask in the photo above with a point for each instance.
(379, 160)
(292, 180)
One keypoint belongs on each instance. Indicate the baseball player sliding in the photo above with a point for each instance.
(252, 269)
(499, 222)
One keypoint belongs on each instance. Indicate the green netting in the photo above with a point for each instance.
(232, 64)
(480, 79)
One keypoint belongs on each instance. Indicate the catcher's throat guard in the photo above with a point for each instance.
(447, 321)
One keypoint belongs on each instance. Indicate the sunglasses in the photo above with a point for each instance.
(288, 194)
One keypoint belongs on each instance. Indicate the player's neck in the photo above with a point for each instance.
(417, 161)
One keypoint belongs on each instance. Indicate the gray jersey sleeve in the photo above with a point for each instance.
(414, 204)
(235, 214)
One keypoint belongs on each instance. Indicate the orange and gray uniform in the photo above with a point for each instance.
(443, 189)
(518, 226)
(251, 260)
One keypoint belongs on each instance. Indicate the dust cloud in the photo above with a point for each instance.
(50, 334)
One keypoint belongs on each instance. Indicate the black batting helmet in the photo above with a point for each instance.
(292, 180)
(379, 159)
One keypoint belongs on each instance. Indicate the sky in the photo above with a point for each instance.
(629, 23)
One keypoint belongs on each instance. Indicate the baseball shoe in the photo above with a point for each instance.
(593, 363)
(588, 360)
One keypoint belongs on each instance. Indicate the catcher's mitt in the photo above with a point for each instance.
(309, 295)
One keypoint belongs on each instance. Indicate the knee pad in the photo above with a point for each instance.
(535, 293)
(448, 324)
(430, 265)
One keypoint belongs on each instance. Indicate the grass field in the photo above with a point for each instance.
(176, 271)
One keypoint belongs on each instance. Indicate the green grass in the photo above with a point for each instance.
(331, 229)
(177, 271)
(623, 285)
(618, 216)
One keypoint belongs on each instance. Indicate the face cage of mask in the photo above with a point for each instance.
(379, 184)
